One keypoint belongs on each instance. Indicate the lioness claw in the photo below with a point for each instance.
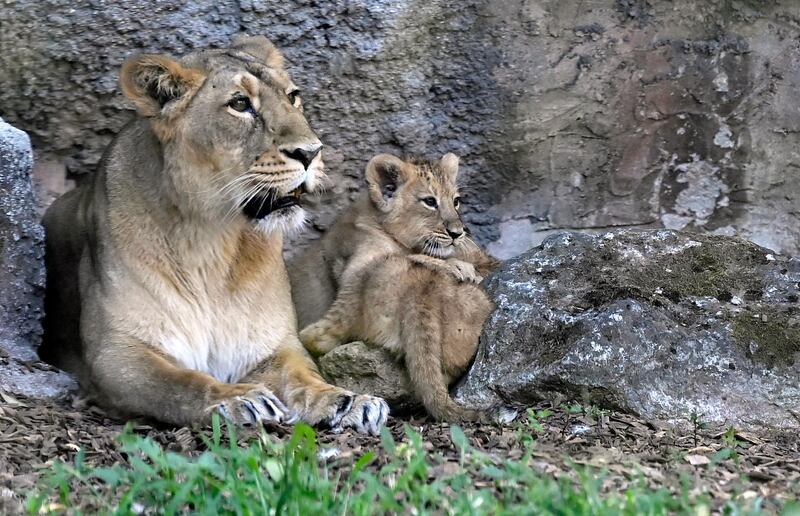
(363, 413)
(257, 406)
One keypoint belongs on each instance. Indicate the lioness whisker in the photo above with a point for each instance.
(235, 182)
(249, 195)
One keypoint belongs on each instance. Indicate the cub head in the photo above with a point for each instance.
(234, 139)
(418, 201)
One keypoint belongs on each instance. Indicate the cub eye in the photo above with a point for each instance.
(294, 96)
(240, 104)
(430, 202)
(457, 202)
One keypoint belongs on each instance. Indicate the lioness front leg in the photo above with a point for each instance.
(137, 379)
(293, 374)
(459, 269)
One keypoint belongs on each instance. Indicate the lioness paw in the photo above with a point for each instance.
(362, 413)
(257, 406)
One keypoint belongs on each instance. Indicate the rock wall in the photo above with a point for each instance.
(572, 114)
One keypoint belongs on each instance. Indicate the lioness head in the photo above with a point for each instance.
(234, 138)
(419, 202)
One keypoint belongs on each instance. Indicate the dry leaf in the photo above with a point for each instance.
(697, 460)
(11, 400)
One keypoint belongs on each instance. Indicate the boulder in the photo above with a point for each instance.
(21, 248)
(658, 323)
(22, 275)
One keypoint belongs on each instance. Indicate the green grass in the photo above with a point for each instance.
(268, 477)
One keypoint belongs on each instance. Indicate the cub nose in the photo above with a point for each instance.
(455, 233)
(304, 155)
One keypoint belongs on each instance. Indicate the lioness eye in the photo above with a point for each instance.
(240, 104)
(293, 96)
(457, 202)
(430, 202)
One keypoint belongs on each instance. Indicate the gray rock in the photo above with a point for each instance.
(22, 276)
(567, 114)
(660, 323)
(21, 248)
(362, 368)
(35, 379)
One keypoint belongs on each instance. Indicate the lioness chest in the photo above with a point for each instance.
(218, 319)
(225, 338)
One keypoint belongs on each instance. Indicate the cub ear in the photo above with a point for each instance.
(151, 81)
(449, 164)
(385, 174)
(259, 47)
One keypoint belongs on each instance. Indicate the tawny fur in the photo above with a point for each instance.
(163, 297)
(402, 275)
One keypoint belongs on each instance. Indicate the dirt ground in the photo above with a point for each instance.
(33, 434)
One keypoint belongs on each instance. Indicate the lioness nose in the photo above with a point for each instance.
(455, 233)
(304, 155)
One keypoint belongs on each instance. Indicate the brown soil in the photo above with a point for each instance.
(33, 434)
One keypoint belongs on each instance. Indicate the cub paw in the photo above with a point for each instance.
(464, 271)
(256, 406)
(317, 338)
(362, 413)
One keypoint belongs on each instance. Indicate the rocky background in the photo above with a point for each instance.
(569, 114)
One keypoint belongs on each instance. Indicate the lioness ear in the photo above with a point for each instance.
(259, 47)
(449, 164)
(385, 174)
(151, 81)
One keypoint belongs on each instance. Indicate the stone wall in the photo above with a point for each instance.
(577, 114)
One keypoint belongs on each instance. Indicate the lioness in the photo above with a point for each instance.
(167, 294)
(403, 271)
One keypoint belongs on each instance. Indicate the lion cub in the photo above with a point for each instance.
(403, 273)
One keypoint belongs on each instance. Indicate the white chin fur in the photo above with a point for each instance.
(287, 221)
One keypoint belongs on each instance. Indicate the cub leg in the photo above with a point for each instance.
(292, 373)
(135, 378)
(335, 326)
(421, 335)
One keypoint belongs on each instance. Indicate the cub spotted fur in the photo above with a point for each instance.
(403, 271)
(167, 293)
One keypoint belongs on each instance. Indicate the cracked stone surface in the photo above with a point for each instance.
(567, 114)
(657, 323)
(22, 276)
